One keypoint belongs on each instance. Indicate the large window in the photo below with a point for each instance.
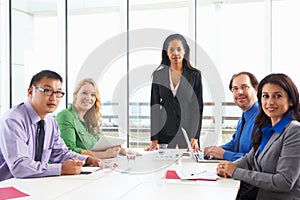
(119, 45)
(37, 43)
(97, 49)
(285, 38)
(234, 38)
(146, 38)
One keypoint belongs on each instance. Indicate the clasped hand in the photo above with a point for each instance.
(225, 169)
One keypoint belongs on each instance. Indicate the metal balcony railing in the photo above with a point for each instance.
(139, 120)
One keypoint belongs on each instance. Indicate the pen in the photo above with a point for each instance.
(193, 174)
(74, 159)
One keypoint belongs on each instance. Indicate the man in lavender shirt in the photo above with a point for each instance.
(19, 131)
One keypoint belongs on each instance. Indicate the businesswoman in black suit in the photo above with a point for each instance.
(176, 97)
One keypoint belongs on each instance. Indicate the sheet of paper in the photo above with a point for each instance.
(106, 142)
(10, 193)
(197, 174)
(89, 170)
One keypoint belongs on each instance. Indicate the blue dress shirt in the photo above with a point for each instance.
(19, 128)
(269, 130)
(245, 144)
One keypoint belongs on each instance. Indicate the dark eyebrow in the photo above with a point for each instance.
(49, 86)
(235, 86)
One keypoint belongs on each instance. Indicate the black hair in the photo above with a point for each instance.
(164, 54)
(44, 73)
(261, 120)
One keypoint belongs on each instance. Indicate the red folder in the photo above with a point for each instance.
(171, 174)
(10, 193)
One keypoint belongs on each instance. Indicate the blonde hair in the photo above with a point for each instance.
(93, 117)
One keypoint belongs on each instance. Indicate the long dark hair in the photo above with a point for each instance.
(164, 54)
(262, 119)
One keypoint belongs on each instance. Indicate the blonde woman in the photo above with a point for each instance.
(80, 123)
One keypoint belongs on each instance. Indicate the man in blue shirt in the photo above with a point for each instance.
(23, 153)
(244, 89)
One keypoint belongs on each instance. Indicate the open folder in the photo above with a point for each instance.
(190, 175)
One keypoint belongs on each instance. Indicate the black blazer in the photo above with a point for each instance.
(169, 113)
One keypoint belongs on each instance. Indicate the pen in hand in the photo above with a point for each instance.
(76, 160)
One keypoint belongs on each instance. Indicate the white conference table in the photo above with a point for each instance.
(140, 179)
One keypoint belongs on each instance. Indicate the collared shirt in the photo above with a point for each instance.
(173, 89)
(245, 139)
(74, 131)
(168, 113)
(269, 130)
(19, 127)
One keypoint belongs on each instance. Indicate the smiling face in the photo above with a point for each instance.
(85, 98)
(41, 103)
(244, 94)
(275, 102)
(175, 52)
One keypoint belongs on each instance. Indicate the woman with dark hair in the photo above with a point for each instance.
(176, 97)
(272, 167)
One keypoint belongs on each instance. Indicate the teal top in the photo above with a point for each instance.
(74, 131)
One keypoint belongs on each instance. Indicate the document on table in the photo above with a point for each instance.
(89, 170)
(184, 174)
(197, 174)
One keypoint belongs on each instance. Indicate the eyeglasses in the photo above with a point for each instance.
(243, 88)
(47, 92)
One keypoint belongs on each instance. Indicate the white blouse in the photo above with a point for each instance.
(173, 89)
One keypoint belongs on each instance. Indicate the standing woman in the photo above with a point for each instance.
(80, 123)
(271, 170)
(176, 97)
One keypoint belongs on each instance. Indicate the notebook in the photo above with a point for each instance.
(198, 157)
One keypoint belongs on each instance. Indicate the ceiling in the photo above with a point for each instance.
(46, 7)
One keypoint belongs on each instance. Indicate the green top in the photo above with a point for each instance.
(74, 131)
